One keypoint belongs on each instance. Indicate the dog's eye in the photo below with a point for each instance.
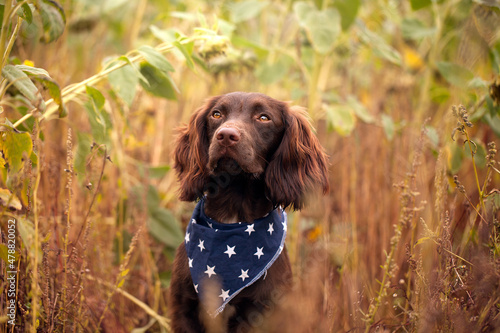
(264, 118)
(216, 114)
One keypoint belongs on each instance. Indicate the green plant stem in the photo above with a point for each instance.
(481, 198)
(298, 62)
(12, 39)
(277, 37)
(8, 16)
(136, 25)
(313, 85)
(386, 270)
(409, 273)
(94, 196)
(435, 51)
(5, 29)
(69, 92)
(16, 8)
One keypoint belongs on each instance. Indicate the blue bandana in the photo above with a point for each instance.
(235, 255)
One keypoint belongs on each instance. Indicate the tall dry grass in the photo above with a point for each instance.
(397, 245)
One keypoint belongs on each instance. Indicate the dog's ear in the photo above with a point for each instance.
(298, 164)
(191, 154)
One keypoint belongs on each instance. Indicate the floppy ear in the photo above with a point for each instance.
(299, 163)
(191, 154)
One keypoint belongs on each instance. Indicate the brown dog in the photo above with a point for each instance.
(243, 155)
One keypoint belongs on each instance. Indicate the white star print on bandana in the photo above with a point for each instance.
(235, 255)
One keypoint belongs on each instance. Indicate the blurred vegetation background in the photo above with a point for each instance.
(404, 96)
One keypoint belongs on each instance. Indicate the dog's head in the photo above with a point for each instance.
(256, 135)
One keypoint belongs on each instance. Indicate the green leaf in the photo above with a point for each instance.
(241, 42)
(32, 71)
(378, 45)
(491, 106)
(302, 10)
(187, 55)
(495, 200)
(165, 278)
(23, 83)
(478, 114)
(341, 119)
(455, 74)
(4, 254)
(124, 83)
(158, 83)
(26, 230)
(26, 13)
(433, 135)
(158, 171)
(15, 148)
(184, 16)
(42, 76)
(161, 223)
(225, 28)
(419, 4)
(110, 6)
(477, 83)
(439, 93)
(165, 35)
(156, 59)
(322, 26)
(413, 28)
(34, 158)
(388, 125)
(479, 153)
(127, 60)
(165, 228)
(360, 110)
(98, 117)
(84, 140)
(245, 10)
(97, 121)
(457, 156)
(152, 197)
(348, 10)
(272, 73)
(96, 96)
(53, 19)
(495, 58)
(54, 92)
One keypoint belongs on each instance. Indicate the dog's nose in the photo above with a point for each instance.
(228, 136)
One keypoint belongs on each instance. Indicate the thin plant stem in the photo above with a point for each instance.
(5, 29)
(69, 92)
(481, 198)
(34, 281)
(12, 39)
(164, 322)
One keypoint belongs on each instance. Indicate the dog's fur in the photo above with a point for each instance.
(246, 153)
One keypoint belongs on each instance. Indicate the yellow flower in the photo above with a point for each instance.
(29, 63)
(412, 58)
(314, 233)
